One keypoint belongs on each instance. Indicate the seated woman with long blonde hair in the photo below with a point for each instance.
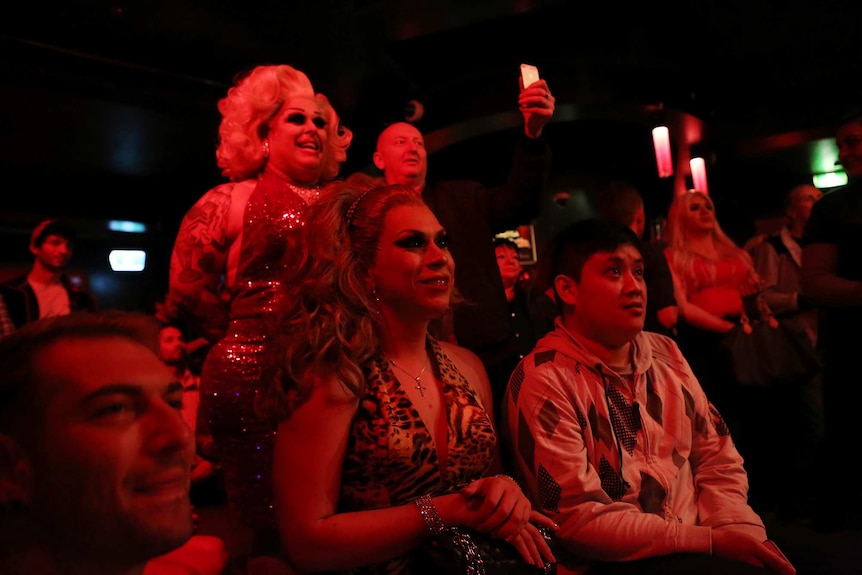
(386, 435)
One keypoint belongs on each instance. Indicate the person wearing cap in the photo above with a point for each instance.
(47, 290)
(530, 314)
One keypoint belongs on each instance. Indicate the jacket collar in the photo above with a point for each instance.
(792, 245)
(568, 343)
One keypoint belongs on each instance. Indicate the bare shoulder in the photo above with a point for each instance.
(242, 190)
(328, 398)
(219, 194)
(332, 391)
(465, 360)
(219, 210)
(223, 196)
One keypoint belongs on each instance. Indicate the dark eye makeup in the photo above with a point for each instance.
(299, 119)
(419, 240)
(413, 240)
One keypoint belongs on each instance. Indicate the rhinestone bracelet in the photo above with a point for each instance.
(429, 513)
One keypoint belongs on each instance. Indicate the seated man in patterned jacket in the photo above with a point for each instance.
(613, 437)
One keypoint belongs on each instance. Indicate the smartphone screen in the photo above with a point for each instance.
(529, 74)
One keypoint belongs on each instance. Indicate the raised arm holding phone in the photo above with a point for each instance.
(472, 213)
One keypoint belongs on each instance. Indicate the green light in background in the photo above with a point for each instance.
(823, 156)
(830, 180)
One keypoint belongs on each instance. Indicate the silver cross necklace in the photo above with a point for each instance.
(415, 378)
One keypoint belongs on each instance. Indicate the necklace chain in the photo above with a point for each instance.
(415, 378)
(308, 194)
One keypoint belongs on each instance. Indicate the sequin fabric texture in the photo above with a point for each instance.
(231, 375)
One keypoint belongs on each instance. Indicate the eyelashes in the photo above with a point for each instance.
(412, 241)
(299, 119)
(418, 241)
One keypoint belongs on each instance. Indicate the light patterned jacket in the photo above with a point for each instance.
(629, 466)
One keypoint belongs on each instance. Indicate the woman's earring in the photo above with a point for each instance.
(265, 149)
(376, 309)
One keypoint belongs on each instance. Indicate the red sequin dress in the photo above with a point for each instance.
(232, 371)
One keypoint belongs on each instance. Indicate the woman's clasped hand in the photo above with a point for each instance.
(497, 506)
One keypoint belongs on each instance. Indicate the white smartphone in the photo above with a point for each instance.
(529, 74)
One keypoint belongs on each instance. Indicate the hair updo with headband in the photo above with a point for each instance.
(327, 326)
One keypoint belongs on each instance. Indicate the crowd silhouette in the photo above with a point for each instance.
(370, 364)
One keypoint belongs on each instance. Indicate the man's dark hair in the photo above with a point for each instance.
(572, 247)
(20, 386)
(58, 227)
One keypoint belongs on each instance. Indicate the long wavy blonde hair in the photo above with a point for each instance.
(682, 256)
(328, 326)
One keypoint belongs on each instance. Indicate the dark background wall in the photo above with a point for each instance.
(108, 109)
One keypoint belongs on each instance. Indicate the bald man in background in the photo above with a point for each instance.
(472, 214)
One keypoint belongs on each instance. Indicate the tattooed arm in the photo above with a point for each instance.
(198, 263)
